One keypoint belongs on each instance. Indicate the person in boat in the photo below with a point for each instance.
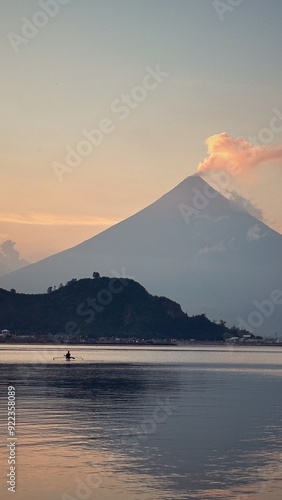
(68, 355)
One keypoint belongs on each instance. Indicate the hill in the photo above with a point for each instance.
(103, 307)
(192, 245)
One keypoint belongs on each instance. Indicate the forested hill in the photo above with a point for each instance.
(104, 307)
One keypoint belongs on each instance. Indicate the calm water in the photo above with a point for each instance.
(144, 424)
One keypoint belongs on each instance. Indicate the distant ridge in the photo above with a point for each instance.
(192, 245)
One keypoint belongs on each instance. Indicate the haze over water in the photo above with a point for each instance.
(144, 423)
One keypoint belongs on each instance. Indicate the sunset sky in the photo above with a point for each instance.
(158, 77)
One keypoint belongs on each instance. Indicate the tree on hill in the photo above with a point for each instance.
(71, 281)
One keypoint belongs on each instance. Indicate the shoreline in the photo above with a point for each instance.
(142, 345)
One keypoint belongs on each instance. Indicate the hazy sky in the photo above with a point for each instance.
(185, 69)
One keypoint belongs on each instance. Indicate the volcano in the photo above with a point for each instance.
(192, 245)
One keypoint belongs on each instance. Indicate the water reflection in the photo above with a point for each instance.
(147, 431)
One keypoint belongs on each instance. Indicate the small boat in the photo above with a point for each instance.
(67, 358)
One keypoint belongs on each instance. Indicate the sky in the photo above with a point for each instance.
(108, 104)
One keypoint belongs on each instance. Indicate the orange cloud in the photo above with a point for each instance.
(44, 219)
(236, 155)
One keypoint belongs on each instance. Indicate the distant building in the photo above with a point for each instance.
(232, 340)
(4, 334)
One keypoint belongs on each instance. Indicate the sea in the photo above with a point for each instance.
(141, 423)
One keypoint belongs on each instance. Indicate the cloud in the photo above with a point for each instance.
(254, 233)
(216, 248)
(10, 258)
(245, 204)
(44, 219)
(237, 155)
(221, 218)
